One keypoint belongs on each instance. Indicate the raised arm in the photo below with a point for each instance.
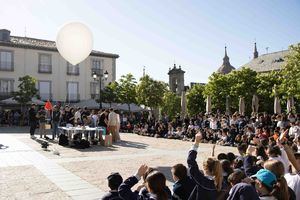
(195, 173)
(125, 188)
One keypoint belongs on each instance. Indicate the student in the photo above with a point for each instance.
(114, 181)
(155, 183)
(184, 185)
(209, 183)
(265, 185)
(277, 168)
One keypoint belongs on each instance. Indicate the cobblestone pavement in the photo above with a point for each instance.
(28, 172)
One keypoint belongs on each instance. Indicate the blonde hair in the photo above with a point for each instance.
(280, 191)
(214, 167)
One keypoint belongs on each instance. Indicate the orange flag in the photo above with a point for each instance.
(48, 105)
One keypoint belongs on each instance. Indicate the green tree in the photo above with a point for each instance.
(243, 83)
(290, 86)
(266, 82)
(27, 90)
(171, 104)
(195, 100)
(127, 90)
(150, 92)
(218, 87)
(110, 93)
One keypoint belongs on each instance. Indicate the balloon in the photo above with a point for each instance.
(74, 42)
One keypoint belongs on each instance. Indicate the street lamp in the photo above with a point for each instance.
(100, 76)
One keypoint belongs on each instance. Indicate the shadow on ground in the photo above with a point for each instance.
(130, 144)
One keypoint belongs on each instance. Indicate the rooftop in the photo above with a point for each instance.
(268, 62)
(34, 43)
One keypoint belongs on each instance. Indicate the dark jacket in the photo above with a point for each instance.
(126, 193)
(183, 188)
(56, 116)
(250, 166)
(243, 191)
(205, 188)
(32, 115)
(112, 195)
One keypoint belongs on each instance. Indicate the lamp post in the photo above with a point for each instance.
(100, 76)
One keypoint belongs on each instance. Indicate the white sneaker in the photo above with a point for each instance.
(32, 137)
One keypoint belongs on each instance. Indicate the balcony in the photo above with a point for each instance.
(5, 95)
(73, 70)
(45, 96)
(73, 98)
(6, 66)
(43, 68)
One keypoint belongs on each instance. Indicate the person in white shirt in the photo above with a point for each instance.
(77, 115)
(112, 124)
(294, 131)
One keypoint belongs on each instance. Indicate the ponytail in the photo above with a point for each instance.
(280, 189)
(217, 171)
(215, 168)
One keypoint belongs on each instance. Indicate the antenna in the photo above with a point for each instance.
(25, 31)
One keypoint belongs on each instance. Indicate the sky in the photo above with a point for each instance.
(158, 33)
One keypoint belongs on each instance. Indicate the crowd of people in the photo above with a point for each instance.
(267, 167)
(264, 169)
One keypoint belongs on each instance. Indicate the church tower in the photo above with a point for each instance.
(176, 79)
(226, 67)
(255, 54)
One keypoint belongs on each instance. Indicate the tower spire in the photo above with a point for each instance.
(225, 51)
(255, 54)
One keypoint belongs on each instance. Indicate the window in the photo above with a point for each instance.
(94, 90)
(72, 69)
(6, 87)
(45, 90)
(6, 60)
(97, 66)
(72, 91)
(45, 63)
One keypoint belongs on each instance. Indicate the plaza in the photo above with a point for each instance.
(29, 172)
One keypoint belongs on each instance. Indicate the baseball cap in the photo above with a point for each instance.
(266, 177)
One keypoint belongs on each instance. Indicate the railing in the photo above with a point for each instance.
(72, 70)
(45, 96)
(43, 68)
(6, 66)
(73, 98)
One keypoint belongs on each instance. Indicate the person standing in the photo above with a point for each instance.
(118, 138)
(32, 120)
(42, 122)
(112, 124)
(55, 121)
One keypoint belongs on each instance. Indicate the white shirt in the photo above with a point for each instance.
(95, 119)
(77, 115)
(294, 131)
(293, 181)
(112, 119)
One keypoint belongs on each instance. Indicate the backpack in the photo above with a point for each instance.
(63, 140)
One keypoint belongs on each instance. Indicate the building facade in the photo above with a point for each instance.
(176, 79)
(57, 79)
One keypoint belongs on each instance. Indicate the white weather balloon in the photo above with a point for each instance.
(74, 42)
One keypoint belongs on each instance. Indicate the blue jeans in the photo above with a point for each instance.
(54, 129)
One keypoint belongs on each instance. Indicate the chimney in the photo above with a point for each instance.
(4, 35)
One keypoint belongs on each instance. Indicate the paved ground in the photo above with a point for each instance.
(28, 172)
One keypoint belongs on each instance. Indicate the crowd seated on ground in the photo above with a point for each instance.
(266, 168)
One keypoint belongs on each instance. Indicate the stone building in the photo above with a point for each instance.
(226, 67)
(267, 62)
(176, 79)
(57, 79)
